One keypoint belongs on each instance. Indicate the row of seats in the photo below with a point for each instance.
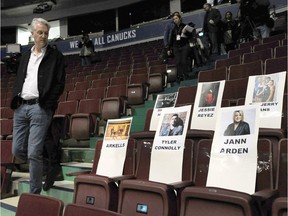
(161, 199)
(235, 70)
(35, 205)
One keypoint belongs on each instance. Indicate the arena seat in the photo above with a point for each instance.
(6, 129)
(239, 52)
(275, 65)
(76, 210)
(250, 43)
(228, 61)
(268, 45)
(281, 177)
(279, 207)
(102, 191)
(217, 201)
(245, 70)
(234, 90)
(76, 95)
(141, 196)
(114, 105)
(264, 192)
(96, 93)
(84, 85)
(220, 73)
(6, 167)
(35, 205)
(186, 95)
(157, 78)
(280, 51)
(84, 123)
(258, 55)
(138, 89)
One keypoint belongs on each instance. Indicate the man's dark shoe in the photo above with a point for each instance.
(51, 177)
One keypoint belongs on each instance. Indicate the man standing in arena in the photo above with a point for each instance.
(212, 20)
(39, 84)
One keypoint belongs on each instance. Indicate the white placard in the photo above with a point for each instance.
(207, 103)
(168, 145)
(233, 159)
(163, 101)
(267, 90)
(114, 147)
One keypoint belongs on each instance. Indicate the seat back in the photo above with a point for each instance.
(234, 90)
(275, 65)
(268, 45)
(240, 52)
(84, 85)
(94, 93)
(6, 128)
(76, 95)
(245, 70)
(280, 51)
(119, 80)
(6, 113)
(259, 55)
(76, 210)
(114, 104)
(67, 108)
(35, 205)
(197, 201)
(281, 176)
(186, 95)
(6, 162)
(90, 106)
(274, 38)
(279, 207)
(220, 73)
(100, 83)
(249, 43)
(264, 178)
(227, 62)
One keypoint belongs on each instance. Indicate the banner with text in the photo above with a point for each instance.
(163, 101)
(113, 153)
(233, 159)
(168, 145)
(267, 90)
(207, 103)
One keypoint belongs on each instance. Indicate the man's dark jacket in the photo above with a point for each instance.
(51, 79)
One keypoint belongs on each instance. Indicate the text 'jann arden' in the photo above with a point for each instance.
(235, 150)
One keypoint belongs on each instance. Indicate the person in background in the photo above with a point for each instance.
(179, 42)
(39, 83)
(212, 20)
(87, 50)
(229, 26)
(167, 37)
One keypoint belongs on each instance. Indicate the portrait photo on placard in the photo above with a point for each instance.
(209, 94)
(238, 122)
(173, 124)
(265, 88)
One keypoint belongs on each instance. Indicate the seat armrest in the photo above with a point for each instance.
(78, 173)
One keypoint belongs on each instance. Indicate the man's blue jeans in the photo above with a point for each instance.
(31, 123)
